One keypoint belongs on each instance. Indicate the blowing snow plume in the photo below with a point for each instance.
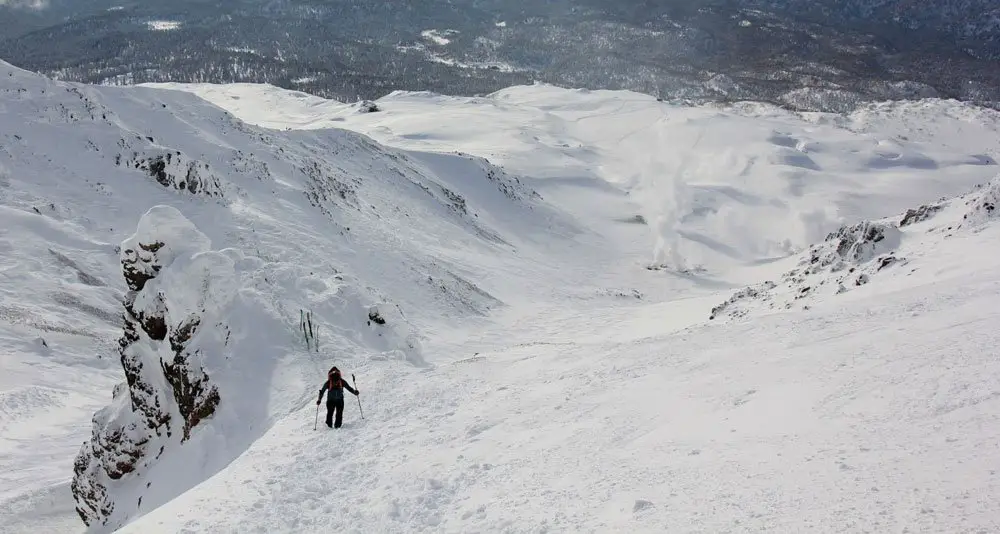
(202, 349)
(666, 197)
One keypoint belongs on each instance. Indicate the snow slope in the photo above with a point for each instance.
(876, 416)
(323, 221)
(883, 251)
(547, 362)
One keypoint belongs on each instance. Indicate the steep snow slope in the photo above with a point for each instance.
(818, 421)
(272, 223)
(877, 413)
(544, 363)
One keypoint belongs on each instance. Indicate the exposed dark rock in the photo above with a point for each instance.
(857, 243)
(173, 170)
(374, 316)
(920, 214)
(196, 397)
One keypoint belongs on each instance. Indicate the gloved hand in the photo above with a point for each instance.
(317, 403)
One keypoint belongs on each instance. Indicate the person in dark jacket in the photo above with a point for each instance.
(334, 388)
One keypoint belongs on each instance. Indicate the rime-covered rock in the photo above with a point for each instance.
(202, 345)
(855, 254)
(856, 244)
(847, 258)
(981, 205)
(168, 391)
(173, 170)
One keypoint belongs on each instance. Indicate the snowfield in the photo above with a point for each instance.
(567, 311)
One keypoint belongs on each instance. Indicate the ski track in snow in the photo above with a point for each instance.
(562, 385)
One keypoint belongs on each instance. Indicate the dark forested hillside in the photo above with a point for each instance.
(803, 54)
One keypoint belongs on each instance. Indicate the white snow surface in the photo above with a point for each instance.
(163, 25)
(548, 362)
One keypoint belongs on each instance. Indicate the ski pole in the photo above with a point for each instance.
(317, 417)
(355, 380)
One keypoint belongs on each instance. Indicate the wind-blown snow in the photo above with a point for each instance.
(530, 331)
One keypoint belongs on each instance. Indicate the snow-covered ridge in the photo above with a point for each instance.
(717, 185)
(866, 252)
(243, 228)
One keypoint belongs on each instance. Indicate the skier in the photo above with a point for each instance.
(335, 397)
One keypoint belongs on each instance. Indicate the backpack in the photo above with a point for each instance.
(336, 382)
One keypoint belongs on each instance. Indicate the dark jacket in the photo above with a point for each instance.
(336, 386)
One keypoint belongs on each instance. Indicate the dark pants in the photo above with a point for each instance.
(338, 407)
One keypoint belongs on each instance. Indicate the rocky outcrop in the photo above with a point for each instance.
(855, 244)
(847, 258)
(921, 214)
(173, 170)
(853, 255)
(202, 344)
(981, 204)
(167, 391)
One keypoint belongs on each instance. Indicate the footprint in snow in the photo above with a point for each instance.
(743, 399)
